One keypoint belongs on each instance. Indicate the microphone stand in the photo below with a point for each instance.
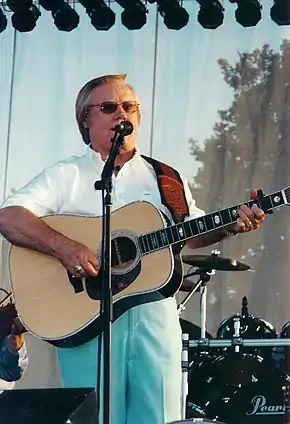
(105, 184)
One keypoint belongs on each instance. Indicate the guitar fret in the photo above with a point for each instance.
(194, 227)
(142, 244)
(175, 234)
(146, 238)
(209, 224)
(169, 234)
(187, 229)
(226, 217)
(159, 239)
(164, 238)
(154, 241)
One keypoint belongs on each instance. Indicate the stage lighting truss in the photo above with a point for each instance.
(25, 13)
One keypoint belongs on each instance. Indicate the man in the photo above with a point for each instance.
(146, 341)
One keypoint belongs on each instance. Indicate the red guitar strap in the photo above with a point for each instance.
(171, 189)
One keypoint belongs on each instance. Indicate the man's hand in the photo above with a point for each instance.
(79, 260)
(249, 218)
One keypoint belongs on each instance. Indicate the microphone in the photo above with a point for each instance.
(124, 128)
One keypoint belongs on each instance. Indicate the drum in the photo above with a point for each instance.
(251, 327)
(228, 385)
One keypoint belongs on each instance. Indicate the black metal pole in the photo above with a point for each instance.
(105, 184)
(122, 129)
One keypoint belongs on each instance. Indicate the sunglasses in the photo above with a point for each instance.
(108, 107)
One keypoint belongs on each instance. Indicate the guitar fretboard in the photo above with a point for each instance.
(194, 227)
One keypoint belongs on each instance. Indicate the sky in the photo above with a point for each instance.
(51, 66)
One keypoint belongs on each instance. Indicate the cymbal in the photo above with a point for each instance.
(208, 262)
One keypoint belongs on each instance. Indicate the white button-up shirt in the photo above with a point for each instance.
(68, 187)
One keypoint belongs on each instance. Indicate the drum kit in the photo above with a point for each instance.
(240, 375)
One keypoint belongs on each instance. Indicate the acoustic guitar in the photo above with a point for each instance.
(66, 311)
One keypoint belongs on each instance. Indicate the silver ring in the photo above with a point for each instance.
(77, 268)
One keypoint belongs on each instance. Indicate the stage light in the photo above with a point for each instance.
(174, 15)
(248, 12)
(65, 18)
(3, 21)
(134, 16)
(25, 14)
(102, 16)
(280, 12)
(211, 14)
(25, 20)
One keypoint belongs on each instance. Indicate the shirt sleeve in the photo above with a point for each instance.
(194, 211)
(41, 195)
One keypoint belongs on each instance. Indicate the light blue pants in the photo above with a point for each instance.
(146, 365)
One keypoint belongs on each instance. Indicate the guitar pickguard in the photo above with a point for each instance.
(93, 285)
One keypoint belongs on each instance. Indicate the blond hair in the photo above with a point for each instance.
(83, 100)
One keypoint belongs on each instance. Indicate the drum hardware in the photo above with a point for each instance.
(207, 266)
(204, 277)
(214, 261)
(237, 327)
(238, 342)
(8, 297)
(184, 381)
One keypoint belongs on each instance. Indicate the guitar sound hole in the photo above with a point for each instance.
(124, 252)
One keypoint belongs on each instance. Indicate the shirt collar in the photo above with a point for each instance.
(95, 157)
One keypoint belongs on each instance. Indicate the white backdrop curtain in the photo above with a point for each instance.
(181, 89)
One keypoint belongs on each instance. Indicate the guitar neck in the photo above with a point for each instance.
(194, 227)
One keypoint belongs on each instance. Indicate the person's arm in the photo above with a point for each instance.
(21, 227)
(21, 223)
(249, 219)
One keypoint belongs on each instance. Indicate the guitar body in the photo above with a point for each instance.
(65, 311)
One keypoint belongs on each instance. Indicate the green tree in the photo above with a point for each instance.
(250, 147)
